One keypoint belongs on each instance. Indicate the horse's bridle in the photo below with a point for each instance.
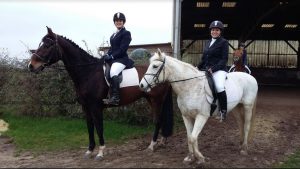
(156, 75)
(48, 60)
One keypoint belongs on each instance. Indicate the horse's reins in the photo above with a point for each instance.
(155, 76)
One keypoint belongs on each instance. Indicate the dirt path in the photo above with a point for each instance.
(277, 135)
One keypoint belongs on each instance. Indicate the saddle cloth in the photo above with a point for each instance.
(230, 88)
(130, 78)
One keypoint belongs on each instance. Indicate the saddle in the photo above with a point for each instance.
(107, 74)
(128, 77)
(211, 84)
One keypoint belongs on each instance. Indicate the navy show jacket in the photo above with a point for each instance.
(119, 46)
(215, 56)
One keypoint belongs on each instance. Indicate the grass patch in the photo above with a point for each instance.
(293, 161)
(38, 134)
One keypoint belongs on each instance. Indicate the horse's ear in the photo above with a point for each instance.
(49, 31)
(159, 52)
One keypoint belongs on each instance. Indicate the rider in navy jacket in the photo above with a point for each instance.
(214, 60)
(119, 44)
(215, 57)
(117, 57)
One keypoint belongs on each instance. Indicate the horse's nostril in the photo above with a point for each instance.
(141, 85)
(30, 67)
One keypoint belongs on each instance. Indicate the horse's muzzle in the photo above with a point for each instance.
(144, 88)
(37, 70)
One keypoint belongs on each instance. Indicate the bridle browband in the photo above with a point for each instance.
(156, 75)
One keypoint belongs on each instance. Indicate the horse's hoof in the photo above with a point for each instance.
(99, 158)
(201, 161)
(152, 146)
(150, 149)
(243, 152)
(162, 145)
(87, 155)
(188, 160)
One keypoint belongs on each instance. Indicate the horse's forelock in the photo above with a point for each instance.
(158, 56)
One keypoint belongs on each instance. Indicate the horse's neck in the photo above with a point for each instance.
(185, 74)
(78, 64)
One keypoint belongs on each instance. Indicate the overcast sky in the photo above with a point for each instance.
(23, 22)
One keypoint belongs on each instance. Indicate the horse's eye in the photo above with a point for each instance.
(155, 66)
(46, 45)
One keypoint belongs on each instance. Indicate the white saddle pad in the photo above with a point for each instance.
(231, 91)
(130, 78)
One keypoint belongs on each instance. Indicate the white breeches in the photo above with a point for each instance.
(219, 79)
(116, 68)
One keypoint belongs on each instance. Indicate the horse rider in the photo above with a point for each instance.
(117, 56)
(214, 60)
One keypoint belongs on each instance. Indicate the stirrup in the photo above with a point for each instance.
(111, 101)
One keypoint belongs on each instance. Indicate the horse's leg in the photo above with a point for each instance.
(198, 126)
(155, 136)
(189, 123)
(247, 125)
(90, 126)
(97, 113)
(239, 115)
(155, 111)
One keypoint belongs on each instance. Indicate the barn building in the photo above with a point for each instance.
(269, 28)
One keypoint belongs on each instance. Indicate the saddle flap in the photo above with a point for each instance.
(208, 92)
(128, 77)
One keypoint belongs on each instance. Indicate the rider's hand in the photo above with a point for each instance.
(107, 57)
(210, 71)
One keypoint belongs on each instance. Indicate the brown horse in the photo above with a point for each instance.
(238, 65)
(87, 74)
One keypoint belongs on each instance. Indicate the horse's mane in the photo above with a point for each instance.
(177, 61)
(82, 51)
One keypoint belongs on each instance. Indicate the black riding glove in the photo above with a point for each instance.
(107, 57)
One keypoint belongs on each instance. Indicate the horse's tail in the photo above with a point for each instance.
(252, 120)
(166, 117)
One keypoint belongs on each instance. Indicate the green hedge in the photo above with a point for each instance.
(51, 93)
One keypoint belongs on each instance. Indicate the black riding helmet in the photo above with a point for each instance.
(216, 24)
(119, 16)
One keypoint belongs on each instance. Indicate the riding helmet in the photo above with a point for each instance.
(119, 16)
(216, 24)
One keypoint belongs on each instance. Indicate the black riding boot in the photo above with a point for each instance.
(115, 92)
(223, 104)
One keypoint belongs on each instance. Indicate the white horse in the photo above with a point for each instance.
(194, 97)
